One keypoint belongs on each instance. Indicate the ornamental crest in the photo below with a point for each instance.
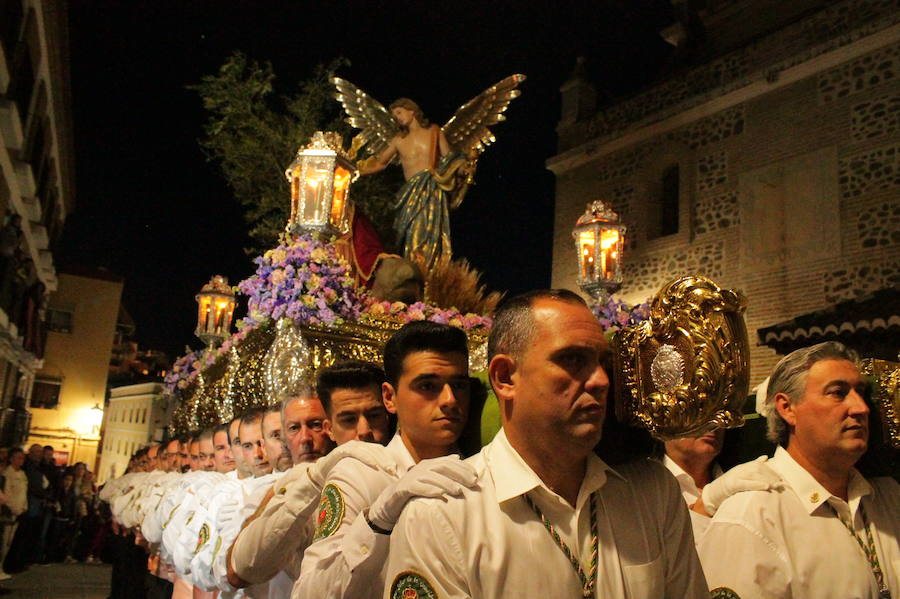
(685, 370)
(411, 585)
(331, 511)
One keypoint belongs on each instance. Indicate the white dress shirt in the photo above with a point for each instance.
(202, 562)
(691, 493)
(351, 562)
(196, 501)
(253, 492)
(789, 543)
(488, 543)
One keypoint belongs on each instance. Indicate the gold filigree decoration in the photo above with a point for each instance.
(239, 381)
(287, 362)
(685, 370)
(885, 396)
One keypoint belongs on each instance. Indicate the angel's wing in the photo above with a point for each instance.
(468, 129)
(366, 113)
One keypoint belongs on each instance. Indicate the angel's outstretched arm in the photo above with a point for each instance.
(379, 162)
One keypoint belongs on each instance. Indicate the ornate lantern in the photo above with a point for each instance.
(320, 179)
(599, 239)
(215, 307)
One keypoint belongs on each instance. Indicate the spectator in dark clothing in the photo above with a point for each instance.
(65, 521)
(53, 474)
(49, 467)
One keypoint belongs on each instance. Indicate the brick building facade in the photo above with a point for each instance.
(780, 156)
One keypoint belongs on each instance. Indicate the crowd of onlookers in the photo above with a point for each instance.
(48, 513)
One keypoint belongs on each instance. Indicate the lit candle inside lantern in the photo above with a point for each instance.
(609, 240)
(210, 319)
(221, 307)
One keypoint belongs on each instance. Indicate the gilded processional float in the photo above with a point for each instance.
(681, 362)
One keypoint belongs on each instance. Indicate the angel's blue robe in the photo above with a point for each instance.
(423, 217)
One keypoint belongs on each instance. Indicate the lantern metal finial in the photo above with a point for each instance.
(215, 308)
(599, 240)
(320, 178)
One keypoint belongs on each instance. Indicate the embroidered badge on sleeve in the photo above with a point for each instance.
(723, 593)
(412, 585)
(202, 537)
(331, 511)
(171, 515)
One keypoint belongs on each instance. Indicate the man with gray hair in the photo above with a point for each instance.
(826, 531)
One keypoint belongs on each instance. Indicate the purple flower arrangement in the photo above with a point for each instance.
(186, 368)
(183, 371)
(308, 281)
(305, 280)
(615, 314)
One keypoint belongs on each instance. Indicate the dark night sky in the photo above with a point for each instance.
(149, 206)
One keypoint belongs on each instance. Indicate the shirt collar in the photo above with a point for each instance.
(514, 477)
(397, 449)
(811, 493)
(685, 480)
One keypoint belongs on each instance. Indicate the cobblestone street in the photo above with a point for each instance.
(59, 581)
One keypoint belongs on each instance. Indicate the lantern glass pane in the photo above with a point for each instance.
(315, 203)
(586, 245)
(202, 311)
(339, 203)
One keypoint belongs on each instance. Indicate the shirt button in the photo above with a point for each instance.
(364, 549)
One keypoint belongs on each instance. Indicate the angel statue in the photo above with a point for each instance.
(438, 162)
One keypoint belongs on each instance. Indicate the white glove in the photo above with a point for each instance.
(437, 477)
(370, 454)
(304, 488)
(750, 476)
(228, 511)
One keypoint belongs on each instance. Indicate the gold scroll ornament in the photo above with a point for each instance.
(684, 371)
(885, 396)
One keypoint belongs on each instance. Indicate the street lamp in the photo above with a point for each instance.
(215, 307)
(599, 239)
(320, 178)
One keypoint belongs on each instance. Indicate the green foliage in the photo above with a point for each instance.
(253, 133)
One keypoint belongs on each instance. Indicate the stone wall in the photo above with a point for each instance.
(837, 25)
(793, 196)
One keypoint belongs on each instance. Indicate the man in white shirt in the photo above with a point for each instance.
(692, 461)
(206, 451)
(222, 456)
(273, 441)
(826, 531)
(350, 393)
(427, 387)
(547, 517)
(241, 467)
(252, 446)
